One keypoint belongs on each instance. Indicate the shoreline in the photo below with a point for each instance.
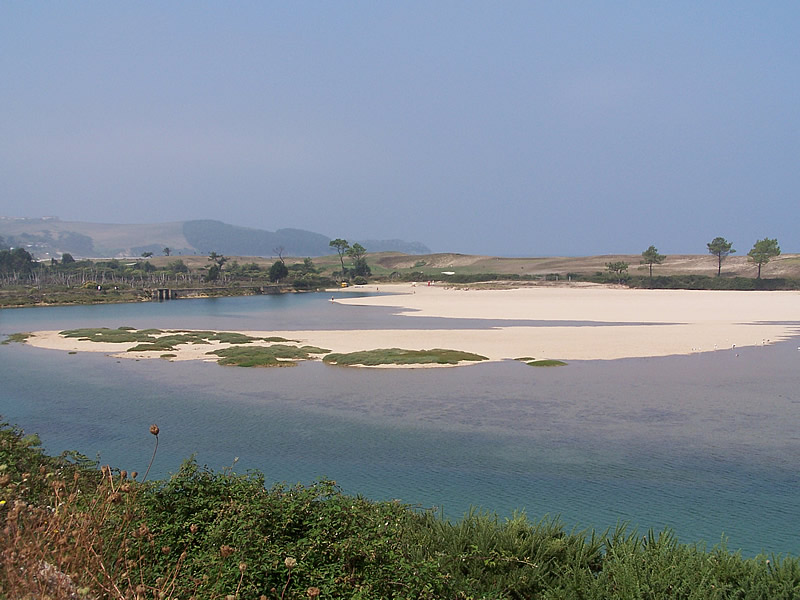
(599, 323)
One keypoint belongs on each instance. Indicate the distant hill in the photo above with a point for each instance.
(48, 237)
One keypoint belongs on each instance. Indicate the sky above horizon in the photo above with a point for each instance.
(518, 128)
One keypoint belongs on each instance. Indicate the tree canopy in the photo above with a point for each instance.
(721, 248)
(651, 257)
(620, 269)
(763, 251)
(17, 260)
(342, 246)
(278, 271)
(360, 267)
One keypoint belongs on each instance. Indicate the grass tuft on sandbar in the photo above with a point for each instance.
(278, 355)
(16, 337)
(400, 356)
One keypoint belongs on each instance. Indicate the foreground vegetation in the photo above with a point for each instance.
(73, 531)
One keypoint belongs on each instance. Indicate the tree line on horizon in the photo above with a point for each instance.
(18, 261)
(760, 254)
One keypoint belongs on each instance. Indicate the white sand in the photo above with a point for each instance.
(623, 323)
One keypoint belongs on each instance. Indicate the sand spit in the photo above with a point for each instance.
(581, 323)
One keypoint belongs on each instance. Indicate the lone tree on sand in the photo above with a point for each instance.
(651, 257)
(341, 248)
(763, 251)
(721, 248)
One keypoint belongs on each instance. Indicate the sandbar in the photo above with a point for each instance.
(566, 322)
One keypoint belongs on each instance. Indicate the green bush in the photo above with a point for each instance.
(208, 534)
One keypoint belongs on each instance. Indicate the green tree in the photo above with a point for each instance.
(620, 269)
(763, 251)
(341, 248)
(651, 257)
(360, 267)
(177, 266)
(721, 248)
(167, 251)
(213, 273)
(67, 258)
(218, 259)
(278, 271)
(147, 254)
(17, 260)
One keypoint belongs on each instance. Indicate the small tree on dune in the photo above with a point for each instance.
(651, 257)
(762, 252)
(721, 248)
(620, 269)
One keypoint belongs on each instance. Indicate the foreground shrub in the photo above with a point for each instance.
(71, 531)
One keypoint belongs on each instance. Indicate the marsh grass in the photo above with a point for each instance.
(399, 356)
(121, 335)
(546, 363)
(16, 337)
(276, 355)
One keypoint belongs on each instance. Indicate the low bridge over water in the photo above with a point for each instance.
(198, 292)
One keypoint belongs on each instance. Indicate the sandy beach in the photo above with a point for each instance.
(564, 322)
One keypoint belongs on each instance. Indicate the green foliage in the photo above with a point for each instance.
(17, 260)
(721, 248)
(16, 337)
(763, 251)
(399, 356)
(651, 257)
(546, 363)
(177, 266)
(341, 246)
(704, 282)
(119, 335)
(213, 535)
(276, 355)
(212, 274)
(618, 269)
(278, 271)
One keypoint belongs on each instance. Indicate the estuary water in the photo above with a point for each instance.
(706, 444)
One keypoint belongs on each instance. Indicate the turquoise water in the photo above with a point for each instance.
(705, 444)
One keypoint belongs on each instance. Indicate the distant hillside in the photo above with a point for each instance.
(50, 237)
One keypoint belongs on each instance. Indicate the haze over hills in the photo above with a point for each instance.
(47, 237)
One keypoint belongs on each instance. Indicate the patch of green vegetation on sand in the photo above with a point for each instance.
(120, 335)
(532, 362)
(279, 355)
(16, 337)
(399, 356)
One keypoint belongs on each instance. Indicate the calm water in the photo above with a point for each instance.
(706, 444)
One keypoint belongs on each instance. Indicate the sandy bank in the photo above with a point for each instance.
(568, 323)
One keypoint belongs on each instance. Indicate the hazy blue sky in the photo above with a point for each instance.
(513, 128)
